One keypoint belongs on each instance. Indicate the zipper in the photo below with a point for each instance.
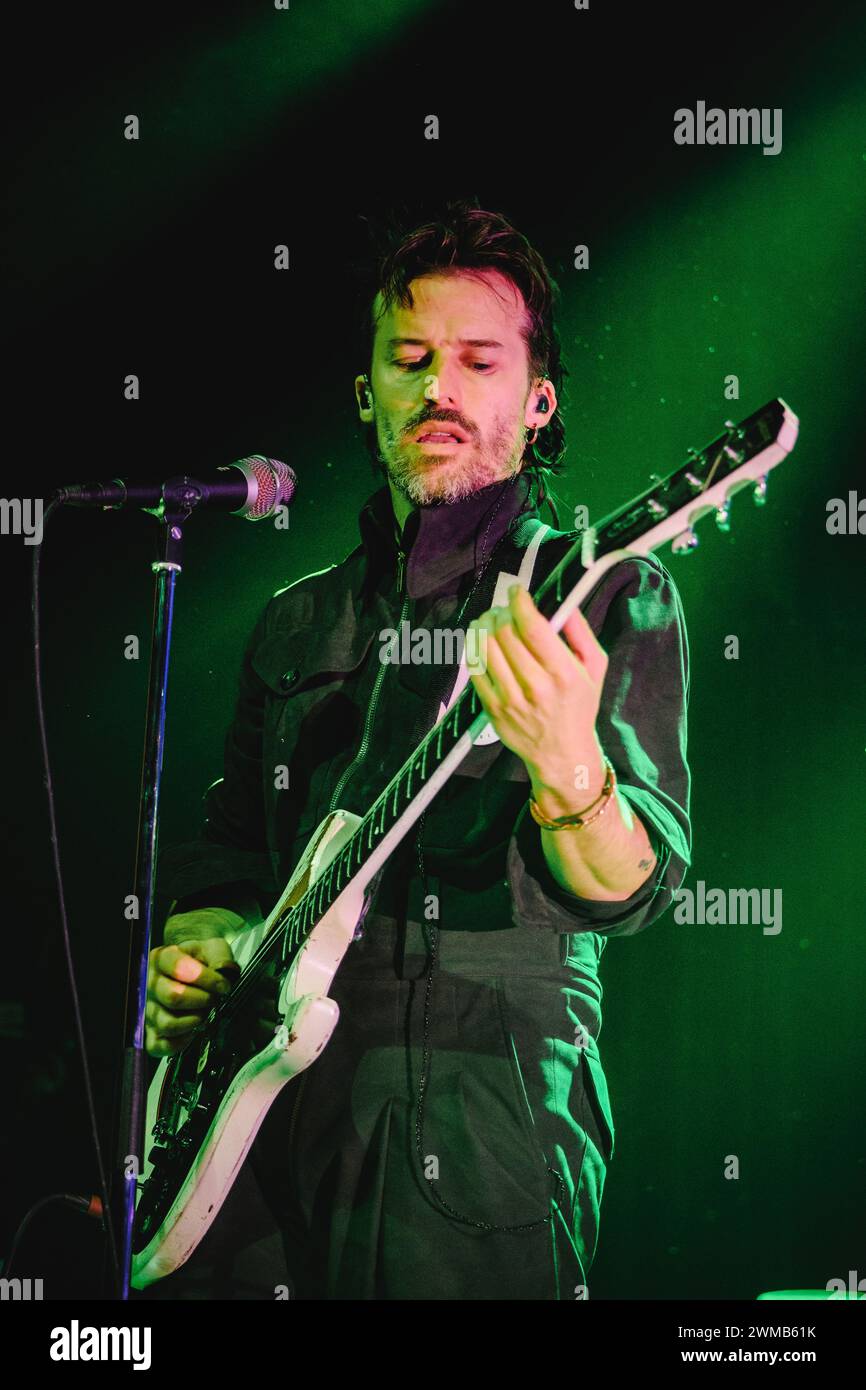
(374, 698)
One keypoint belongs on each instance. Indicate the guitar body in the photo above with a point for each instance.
(207, 1103)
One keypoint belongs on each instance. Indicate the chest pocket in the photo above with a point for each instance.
(310, 717)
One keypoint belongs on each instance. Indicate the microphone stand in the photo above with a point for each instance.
(128, 1130)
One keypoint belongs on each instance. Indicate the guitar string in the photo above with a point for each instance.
(252, 973)
(239, 997)
(294, 918)
(294, 923)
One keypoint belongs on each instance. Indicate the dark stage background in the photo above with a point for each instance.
(155, 257)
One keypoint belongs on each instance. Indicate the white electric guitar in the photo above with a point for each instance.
(207, 1103)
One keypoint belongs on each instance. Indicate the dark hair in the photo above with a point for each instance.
(466, 237)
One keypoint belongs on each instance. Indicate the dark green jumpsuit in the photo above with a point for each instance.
(341, 1196)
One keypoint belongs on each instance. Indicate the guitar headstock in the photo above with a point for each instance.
(743, 455)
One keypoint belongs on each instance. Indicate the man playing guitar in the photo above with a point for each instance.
(452, 1140)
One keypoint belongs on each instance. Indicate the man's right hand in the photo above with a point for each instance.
(184, 983)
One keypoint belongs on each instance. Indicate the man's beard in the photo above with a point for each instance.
(424, 481)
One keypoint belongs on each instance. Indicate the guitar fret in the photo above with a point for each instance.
(670, 499)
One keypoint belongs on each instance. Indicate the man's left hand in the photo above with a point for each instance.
(541, 695)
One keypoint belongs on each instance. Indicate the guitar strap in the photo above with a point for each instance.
(538, 530)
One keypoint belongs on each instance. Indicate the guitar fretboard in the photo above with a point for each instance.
(383, 814)
(640, 526)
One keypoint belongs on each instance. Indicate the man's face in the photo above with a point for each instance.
(456, 361)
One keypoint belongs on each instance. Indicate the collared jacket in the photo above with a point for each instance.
(322, 720)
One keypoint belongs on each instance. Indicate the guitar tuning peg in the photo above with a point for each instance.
(684, 543)
(759, 492)
(723, 515)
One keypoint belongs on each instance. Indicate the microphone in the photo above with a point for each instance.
(255, 492)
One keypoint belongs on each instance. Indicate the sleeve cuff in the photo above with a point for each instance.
(539, 901)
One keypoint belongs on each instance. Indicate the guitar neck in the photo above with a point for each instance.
(667, 511)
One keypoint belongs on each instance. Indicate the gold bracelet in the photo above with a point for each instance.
(582, 818)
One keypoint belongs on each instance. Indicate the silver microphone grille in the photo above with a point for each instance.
(274, 485)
